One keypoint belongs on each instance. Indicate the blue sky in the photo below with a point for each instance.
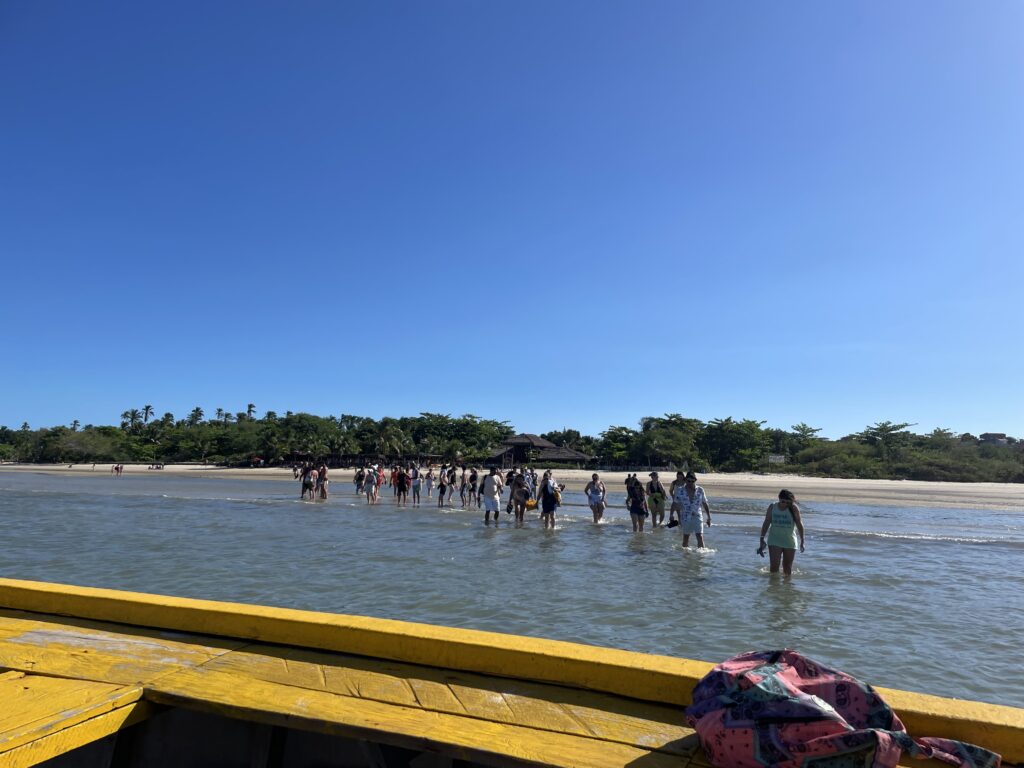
(555, 213)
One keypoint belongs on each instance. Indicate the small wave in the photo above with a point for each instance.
(918, 537)
(697, 551)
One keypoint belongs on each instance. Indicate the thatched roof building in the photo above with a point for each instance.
(525, 440)
(563, 455)
(530, 449)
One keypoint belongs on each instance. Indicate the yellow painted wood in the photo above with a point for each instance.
(35, 705)
(78, 735)
(998, 728)
(516, 702)
(235, 695)
(105, 653)
(641, 676)
(651, 678)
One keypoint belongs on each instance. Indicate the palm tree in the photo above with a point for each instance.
(74, 425)
(390, 439)
(220, 414)
(195, 417)
(250, 409)
(270, 416)
(147, 412)
(130, 419)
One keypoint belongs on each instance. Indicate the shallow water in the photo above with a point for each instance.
(922, 599)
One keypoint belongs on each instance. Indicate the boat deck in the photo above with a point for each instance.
(68, 682)
(93, 692)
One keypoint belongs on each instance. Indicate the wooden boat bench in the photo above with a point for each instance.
(198, 683)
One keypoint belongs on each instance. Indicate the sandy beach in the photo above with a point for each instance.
(737, 486)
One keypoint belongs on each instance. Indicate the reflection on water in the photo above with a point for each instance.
(785, 603)
(869, 587)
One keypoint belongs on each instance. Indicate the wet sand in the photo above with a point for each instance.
(903, 493)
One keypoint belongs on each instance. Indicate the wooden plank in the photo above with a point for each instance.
(106, 653)
(74, 736)
(533, 705)
(236, 695)
(637, 675)
(35, 705)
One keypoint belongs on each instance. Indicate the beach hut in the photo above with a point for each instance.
(563, 455)
(528, 449)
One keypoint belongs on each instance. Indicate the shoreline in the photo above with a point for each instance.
(906, 493)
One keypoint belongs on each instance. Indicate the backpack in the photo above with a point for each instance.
(780, 709)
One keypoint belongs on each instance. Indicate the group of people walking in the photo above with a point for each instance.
(313, 480)
(688, 508)
(526, 490)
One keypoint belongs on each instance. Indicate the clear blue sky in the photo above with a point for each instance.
(555, 213)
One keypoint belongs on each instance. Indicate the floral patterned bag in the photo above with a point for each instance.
(780, 709)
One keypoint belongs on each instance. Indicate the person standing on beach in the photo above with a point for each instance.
(637, 503)
(490, 491)
(473, 489)
(370, 486)
(509, 477)
(402, 487)
(453, 478)
(596, 493)
(430, 482)
(323, 482)
(692, 503)
(656, 500)
(360, 478)
(463, 489)
(520, 495)
(442, 485)
(309, 478)
(548, 493)
(781, 524)
(678, 483)
(417, 481)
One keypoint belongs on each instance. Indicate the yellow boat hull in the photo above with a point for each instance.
(103, 677)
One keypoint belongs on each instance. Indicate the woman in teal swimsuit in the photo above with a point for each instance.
(782, 523)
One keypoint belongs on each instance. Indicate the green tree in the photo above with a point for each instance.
(887, 437)
(734, 446)
(131, 419)
(147, 413)
(389, 440)
(805, 432)
(616, 446)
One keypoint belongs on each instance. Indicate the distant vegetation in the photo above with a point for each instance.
(883, 450)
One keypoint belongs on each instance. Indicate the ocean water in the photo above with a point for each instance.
(923, 599)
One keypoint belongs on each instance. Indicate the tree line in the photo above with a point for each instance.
(882, 450)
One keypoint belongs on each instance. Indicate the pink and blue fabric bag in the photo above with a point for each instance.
(780, 709)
